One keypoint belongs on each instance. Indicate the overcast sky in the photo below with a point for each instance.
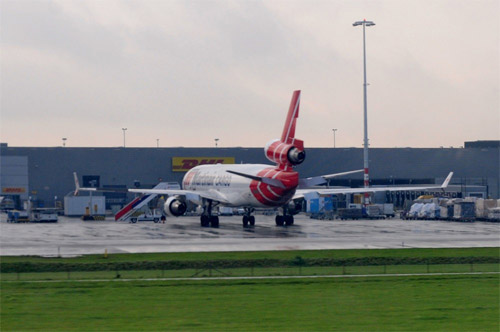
(187, 72)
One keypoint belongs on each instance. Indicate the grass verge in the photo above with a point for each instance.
(246, 255)
(444, 303)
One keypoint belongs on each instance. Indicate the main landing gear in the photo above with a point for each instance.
(289, 211)
(248, 219)
(284, 220)
(207, 219)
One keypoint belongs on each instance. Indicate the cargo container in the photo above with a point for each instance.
(320, 208)
(350, 213)
(464, 211)
(387, 209)
(494, 214)
(317, 205)
(414, 211)
(429, 211)
(483, 206)
(84, 205)
(374, 211)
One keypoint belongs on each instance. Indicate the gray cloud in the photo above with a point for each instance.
(189, 71)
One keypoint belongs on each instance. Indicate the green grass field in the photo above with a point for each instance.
(430, 303)
(412, 303)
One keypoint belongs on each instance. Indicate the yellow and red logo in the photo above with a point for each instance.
(184, 164)
(13, 190)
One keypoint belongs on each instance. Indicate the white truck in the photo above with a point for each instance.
(154, 216)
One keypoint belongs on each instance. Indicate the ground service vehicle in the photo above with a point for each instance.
(150, 216)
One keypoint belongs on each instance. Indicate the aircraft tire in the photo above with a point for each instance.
(245, 221)
(214, 221)
(279, 220)
(205, 221)
(288, 220)
(251, 220)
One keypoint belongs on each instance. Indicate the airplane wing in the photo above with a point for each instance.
(189, 194)
(301, 193)
(322, 179)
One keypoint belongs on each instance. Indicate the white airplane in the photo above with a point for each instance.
(252, 186)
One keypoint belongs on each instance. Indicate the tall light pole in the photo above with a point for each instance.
(64, 141)
(365, 24)
(216, 140)
(157, 142)
(124, 130)
(334, 130)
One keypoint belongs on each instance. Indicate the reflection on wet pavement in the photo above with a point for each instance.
(75, 237)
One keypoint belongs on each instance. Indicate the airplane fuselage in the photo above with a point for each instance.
(236, 190)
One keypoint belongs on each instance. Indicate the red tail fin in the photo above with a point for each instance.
(287, 151)
(288, 134)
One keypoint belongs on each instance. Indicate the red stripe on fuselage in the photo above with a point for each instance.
(275, 196)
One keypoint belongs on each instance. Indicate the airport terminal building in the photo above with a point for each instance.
(45, 174)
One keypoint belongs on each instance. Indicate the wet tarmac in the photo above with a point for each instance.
(72, 236)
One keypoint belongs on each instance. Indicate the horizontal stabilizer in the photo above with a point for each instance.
(269, 181)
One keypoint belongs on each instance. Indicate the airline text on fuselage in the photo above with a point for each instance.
(208, 180)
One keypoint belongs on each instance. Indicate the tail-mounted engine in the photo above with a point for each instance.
(285, 154)
(174, 207)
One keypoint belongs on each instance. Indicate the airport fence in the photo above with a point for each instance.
(207, 269)
(298, 261)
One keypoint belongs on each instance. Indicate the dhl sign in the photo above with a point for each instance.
(184, 164)
(13, 190)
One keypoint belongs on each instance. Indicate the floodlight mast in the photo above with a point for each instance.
(365, 23)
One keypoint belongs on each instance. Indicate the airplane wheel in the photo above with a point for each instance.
(288, 220)
(214, 221)
(251, 220)
(279, 220)
(205, 221)
(245, 221)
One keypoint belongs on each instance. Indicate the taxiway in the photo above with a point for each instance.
(71, 237)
